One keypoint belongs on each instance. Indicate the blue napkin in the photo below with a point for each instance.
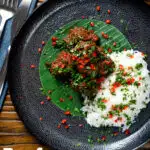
(5, 42)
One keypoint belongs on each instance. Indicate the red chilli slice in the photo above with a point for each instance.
(43, 43)
(67, 126)
(70, 97)
(102, 79)
(42, 102)
(39, 50)
(41, 118)
(92, 66)
(104, 100)
(114, 44)
(116, 120)
(116, 85)
(140, 78)
(54, 39)
(80, 125)
(98, 8)
(67, 112)
(32, 66)
(61, 100)
(48, 98)
(105, 36)
(94, 54)
(83, 17)
(125, 107)
(54, 43)
(112, 90)
(109, 50)
(59, 126)
(108, 21)
(110, 116)
(115, 133)
(127, 132)
(64, 121)
(109, 12)
(103, 138)
(131, 56)
(92, 24)
(121, 67)
(130, 81)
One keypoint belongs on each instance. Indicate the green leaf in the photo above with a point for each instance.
(49, 54)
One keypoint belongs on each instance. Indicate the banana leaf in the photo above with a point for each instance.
(49, 54)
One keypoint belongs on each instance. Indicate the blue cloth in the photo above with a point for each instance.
(4, 44)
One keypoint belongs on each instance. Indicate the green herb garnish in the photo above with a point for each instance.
(139, 66)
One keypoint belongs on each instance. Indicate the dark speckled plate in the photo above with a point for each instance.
(25, 83)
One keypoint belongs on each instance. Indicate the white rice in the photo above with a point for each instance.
(96, 116)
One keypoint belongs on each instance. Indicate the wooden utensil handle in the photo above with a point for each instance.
(147, 2)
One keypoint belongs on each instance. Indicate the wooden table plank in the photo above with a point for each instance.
(12, 126)
(8, 98)
(25, 147)
(8, 108)
(17, 139)
(9, 116)
(8, 103)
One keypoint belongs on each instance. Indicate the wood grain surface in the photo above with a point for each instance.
(14, 135)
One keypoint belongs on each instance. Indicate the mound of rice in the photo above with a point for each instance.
(123, 94)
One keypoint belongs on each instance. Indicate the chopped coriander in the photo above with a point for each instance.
(78, 144)
(121, 106)
(93, 48)
(111, 112)
(101, 104)
(76, 109)
(132, 109)
(120, 79)
(131, 102)
(121, 21)
(139, 66)
(90, 139)
(98, 140)
(128, 119)
(124, 98)
(105, 118)
(113, 94)
(144, 103)
(41, 89)
(136, 83)
(61, 44)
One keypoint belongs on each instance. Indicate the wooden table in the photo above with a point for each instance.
(14, 135)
